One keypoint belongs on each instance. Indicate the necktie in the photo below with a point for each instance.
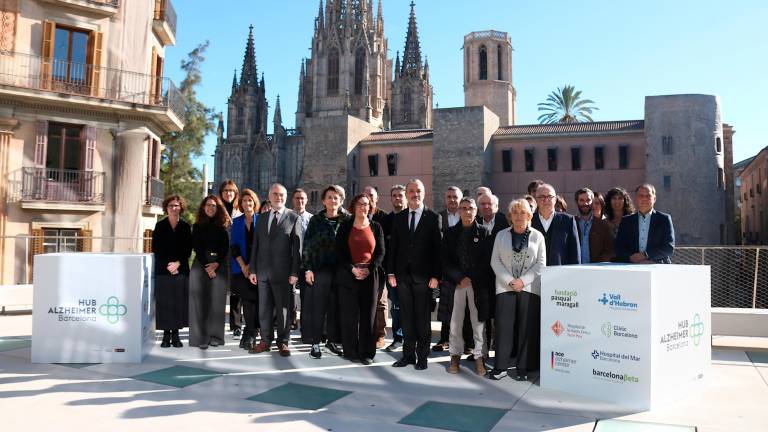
(273, 225)
(412, 227)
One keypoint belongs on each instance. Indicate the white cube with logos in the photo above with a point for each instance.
(92, 308)
(635, 335)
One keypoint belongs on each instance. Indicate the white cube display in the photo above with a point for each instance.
(636, 335)
(92, 308)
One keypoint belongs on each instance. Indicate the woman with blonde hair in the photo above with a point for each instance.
(519, 254)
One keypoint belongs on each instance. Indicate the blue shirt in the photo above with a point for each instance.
(644, 225)
(584, 228)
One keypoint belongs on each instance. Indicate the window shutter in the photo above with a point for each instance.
(90, 147)
(41, 142)
(85, 241)
(152, 73)
(37, 241)
(147, 241)
(46, 65)
(94, 51)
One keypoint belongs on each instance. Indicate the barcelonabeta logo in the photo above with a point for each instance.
(615, 376)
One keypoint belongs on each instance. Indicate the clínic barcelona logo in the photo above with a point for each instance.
(113, 310)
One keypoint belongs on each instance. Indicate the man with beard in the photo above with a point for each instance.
(595, 235)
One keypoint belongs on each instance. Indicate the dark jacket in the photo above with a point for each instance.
(600, 241)
(171, 245)
(562, 239)
(320, 241)
(417, 255)
(237, 241)
(211, 243)
(344, 262)
(275, 254)
(479, 272)
(661, 238)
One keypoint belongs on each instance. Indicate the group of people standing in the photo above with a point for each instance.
(483, 265)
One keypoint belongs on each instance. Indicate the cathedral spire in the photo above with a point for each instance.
(412, 54)
(234, 82)
(320, 22)
(249, 74)
(278, 118)
(380, 21)
(397, 65)
(261, 84)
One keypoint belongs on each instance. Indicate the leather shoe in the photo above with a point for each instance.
(315, 352)
(439, 347)
(393, 346)
(166, 343)
(237, 333)
(284, 351)
(332, 347)
(421, 365)
(366, 361)
(175, 341)
(259, 348)
(521, 378)
(403, 362)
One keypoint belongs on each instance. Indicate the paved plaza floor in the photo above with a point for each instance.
(188, 389)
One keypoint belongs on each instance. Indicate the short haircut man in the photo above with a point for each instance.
(648, 235)
(560, 233)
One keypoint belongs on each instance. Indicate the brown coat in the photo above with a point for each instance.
(600, 241)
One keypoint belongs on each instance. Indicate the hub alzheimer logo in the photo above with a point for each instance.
(613, 357)
(87, 310)
(614, 301)
(684, 333)
(565, 298)
(614, 376)
(560, 362)
(613, 330)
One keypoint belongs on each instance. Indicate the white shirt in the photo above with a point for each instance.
(280, 214)
(453, 218)
(418, 211)
(304, 217)
(545, 223)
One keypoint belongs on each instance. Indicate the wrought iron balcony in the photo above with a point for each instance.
(62, 185)
(164, 24)
(103, 7)
(95, 82)
(154, 191)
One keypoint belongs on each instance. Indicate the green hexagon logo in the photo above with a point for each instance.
(113, 310)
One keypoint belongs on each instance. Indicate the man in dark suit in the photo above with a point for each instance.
(559, 229)
(398, 200)
(414, 269)
(645, 237)
(274, 267)
(379, 321)
(448, 218)
(595, 234)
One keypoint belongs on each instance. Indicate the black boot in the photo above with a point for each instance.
(175, 339)
(244, 339)
(166, 339)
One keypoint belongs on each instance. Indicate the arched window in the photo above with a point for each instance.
(406, 105)
(359, 70)
(718, 145)
(499, 64)
(333, 72)
(240, 119)
(483, 63)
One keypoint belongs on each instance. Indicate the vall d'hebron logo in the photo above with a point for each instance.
(560, 362)
(685, 333)
(613, 330)
(614, 357)
(565, 298)
(614, 301)
(87, 310)
(615, 377)
(571, 330)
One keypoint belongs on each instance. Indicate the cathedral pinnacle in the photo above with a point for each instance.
(249, 74)
(412, 54)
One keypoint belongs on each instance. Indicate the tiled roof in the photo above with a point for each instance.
(399, 135)
(572, 128)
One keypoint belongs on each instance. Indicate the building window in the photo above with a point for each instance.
(373, 165)
(59, 240)
(499, 64)
(718, 145)
(623, 156)
(599, 157)
(667, 183)
(392, 164)
(70, 54)
(333, 72)
(240, 120)
(506, 160)
(529, 165)
(758, 186)
(552, 158)
(666, 145)
(359, 70)
(576, 158)
(483, 63)
(313, 197)
(65, 145)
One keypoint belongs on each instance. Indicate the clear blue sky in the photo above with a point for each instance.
(616, 52)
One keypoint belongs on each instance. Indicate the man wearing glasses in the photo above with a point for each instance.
(559, 229)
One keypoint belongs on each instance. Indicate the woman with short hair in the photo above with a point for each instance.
(208, 278)
(172, 246)
(519, 254)
(240, 243)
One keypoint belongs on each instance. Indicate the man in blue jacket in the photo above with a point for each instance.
(645, 237)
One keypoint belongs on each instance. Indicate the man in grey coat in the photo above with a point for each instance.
(274, 267)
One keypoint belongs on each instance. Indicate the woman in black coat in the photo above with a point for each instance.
(360, 253)
(172, 246)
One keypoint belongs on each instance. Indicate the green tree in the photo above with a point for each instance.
(177, 171)
(566, 106)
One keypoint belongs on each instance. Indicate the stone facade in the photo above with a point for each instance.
(754, 204)
(488, 73)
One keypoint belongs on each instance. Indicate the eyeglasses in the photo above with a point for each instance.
(545, 197)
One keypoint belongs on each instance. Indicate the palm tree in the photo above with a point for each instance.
(565, 106)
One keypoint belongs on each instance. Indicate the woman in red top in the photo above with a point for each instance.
(360, 253)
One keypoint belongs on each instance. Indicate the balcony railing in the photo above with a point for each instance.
(164, 12)
(154, 191)
(47, 74)
(61, 185)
